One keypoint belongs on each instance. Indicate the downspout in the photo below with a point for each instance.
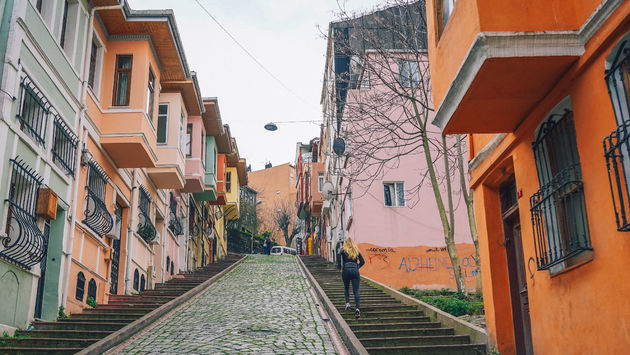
(133, 221)
(82, 133)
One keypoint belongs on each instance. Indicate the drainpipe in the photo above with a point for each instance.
(82, 132)
(133, 221)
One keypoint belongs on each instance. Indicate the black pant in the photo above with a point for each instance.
(351, 273)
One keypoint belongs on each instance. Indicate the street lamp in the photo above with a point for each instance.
(273, 126)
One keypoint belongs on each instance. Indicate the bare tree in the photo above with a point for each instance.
(383, 107)
(284, 217)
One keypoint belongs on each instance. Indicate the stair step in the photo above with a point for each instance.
(415, 340)
(385, 314)
(360, 325)
(117, 310)
(402, 332)
(79, 325)
(43, 351)
(449, 349)
(42, 342)
(65, 333)
(385, 307)
(108, 317)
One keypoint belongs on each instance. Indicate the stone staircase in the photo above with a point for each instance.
(386, 324)
(71, 335)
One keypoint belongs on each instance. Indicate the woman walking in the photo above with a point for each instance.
(349, 261)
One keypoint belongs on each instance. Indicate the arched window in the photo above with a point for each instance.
(172, 272)
(80, 286)
(168, 261)
(92, 289)
(558, 209)
(142, 282)
(617, 144)
(136, 278)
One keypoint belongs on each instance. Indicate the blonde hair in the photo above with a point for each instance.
(351, 249)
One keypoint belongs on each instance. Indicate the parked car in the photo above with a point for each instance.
(280, 250)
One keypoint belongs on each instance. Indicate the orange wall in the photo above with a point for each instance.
(583, 310)
(420, 267)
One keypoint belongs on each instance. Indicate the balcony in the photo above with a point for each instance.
(207, 174)
(168, 173)
(494, 61)
(129, 138)
(221, 197)
(233, 194)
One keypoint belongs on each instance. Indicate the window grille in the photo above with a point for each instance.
(617, 144)
(174, 225)
(80, 290)
(64, 145)
(558, 210)
(34, 110)
(194, 219)
(146, 230)
(136, 279)
(25, 244)
(96, 216)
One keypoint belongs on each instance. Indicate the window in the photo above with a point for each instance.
(228, 181)
(557, 208)
(34, 111)
(122, 80)
(64, 24)
(189, 129)
(64, 146)
(162, 126)
(168, 262)
(203, 148)
(146, 230)
(80, 287)
(444, 9)
(142, 283)
(136, 279)
(394, 194)
(617, 144)
(320, 181)
(95, 54)
(172, 267)
(92, 289)
(150, 95)
(409, 73)
(38, 5)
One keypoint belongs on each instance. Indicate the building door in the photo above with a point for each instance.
(516, 268)
(39, 298)
(113, 277)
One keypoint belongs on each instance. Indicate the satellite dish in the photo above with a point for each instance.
(339, 146)
(328, 190)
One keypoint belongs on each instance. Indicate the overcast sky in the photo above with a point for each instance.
(283, 35)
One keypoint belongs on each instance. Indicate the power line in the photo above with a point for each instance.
(249, 53)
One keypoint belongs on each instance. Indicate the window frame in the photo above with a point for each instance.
(405, 68)
(150, 95)
(117, 72)
(320, 181)
(64, 24)
(188, 140)
(228, 181)
(443, 13)
(80, 290)
(165, 117)
(398, 188)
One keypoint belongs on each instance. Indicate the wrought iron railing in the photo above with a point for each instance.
(25, 244)
(146, 229)
(559, 222)
(617, 153)
(194, 219)
(64, 146)
(34, 110)
(96, 216)
(174, 225)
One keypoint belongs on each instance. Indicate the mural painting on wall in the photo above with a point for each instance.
(420, 267)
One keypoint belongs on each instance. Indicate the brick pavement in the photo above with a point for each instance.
(263, 306)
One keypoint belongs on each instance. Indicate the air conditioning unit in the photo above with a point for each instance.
(156, 240)
(115, 232)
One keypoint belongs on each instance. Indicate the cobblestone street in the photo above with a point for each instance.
(263, 306)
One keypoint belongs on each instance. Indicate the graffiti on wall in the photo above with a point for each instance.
(382, 254)
(437, 264)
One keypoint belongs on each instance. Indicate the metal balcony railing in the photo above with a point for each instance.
(96, 216)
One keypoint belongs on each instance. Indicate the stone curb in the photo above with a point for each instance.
(352, 342)
(477, 335)
(136, 326)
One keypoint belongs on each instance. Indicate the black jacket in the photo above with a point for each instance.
(343, 259)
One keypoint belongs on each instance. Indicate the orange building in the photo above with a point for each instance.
(539, 86)
(275, 187)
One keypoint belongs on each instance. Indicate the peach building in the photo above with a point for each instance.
(542, 90)
(275, 186)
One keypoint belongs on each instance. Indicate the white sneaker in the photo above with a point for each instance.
(347, 306)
